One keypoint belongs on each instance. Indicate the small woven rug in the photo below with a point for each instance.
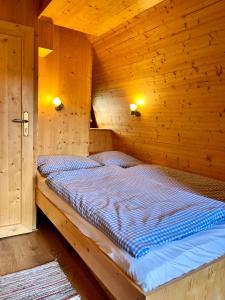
(43, 282)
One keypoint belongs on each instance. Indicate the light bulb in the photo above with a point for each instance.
(133, 107)
(56, 101)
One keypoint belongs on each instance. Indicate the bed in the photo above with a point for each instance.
(193, 267)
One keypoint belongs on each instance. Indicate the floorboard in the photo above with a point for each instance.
(44, 245)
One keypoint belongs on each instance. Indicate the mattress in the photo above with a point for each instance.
(163, 263)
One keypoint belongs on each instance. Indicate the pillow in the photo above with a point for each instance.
(55, 163)
(116, 158)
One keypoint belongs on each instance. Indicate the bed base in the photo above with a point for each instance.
(205, 283)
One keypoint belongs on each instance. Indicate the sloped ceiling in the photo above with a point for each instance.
(95, 17)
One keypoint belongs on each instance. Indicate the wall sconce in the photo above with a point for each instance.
(58, 104)
(134, 111)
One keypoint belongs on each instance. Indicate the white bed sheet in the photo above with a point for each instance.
(162, 264)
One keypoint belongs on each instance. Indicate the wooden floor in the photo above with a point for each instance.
(44, 245)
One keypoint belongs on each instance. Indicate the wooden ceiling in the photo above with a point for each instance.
(95, 16)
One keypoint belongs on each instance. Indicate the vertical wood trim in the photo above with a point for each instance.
(28, 142)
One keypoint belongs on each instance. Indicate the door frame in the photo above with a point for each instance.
(27, 83)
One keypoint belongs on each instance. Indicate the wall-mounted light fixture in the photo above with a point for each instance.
(58, 104)
(134, 107)
(134, 111)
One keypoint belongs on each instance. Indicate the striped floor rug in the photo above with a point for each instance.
(43, 282)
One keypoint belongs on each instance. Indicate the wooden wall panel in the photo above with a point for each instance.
(65, 73)
(100, 140)
(172, 56)
(19, 11)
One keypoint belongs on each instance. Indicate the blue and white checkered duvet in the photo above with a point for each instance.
(137, 213)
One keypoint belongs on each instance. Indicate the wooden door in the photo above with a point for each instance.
(16, 149)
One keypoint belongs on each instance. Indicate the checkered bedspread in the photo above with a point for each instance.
(136, 212)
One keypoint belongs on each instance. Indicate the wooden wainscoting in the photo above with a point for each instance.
(100, 140)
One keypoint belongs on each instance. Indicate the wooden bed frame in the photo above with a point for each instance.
(205, 283)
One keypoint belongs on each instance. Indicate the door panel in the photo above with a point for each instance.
(16, 151)
(14, 135)
(10, 135)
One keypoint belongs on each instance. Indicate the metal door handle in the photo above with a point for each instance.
(20, 121)
(25, 122)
